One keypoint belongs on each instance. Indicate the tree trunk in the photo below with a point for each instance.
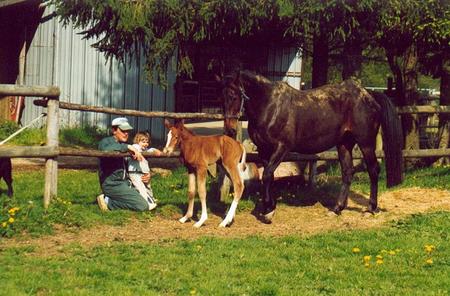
(352, 58)
(320, 60)
(444, 125)
(409, 121)
(398, 78)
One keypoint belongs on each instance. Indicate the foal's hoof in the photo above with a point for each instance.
(183, 219)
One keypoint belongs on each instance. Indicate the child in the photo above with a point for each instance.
(137, 168)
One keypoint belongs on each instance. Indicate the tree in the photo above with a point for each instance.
(434, 54)
(402, 33)
(162, 29)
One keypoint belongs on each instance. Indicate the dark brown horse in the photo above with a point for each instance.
(283, 119)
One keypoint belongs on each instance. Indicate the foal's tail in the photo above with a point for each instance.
(242, 166)
(392, 139)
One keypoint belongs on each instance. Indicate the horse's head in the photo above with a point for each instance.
(232, 102)
(174, 135)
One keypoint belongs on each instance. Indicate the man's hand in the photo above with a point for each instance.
(146, 178)
(135, 153)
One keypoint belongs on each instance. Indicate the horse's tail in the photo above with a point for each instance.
(392, 139)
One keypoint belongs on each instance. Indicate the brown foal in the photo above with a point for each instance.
(197, 152)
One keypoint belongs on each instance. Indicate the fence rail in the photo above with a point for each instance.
(51, 150)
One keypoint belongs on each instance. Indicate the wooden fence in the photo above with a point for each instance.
(51, 150)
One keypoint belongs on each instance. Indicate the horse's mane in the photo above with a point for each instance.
(253, 76)
(187, 131)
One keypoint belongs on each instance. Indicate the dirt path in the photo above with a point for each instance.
(289, 220)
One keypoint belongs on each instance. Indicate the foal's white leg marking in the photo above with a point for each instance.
(191, 196)
(230, 215)
(201, 185)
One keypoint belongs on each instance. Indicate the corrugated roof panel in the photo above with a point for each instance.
(132, 88)
(117, 85)
(64, 68)
(89, 85)
(145, 98)
(77, 74)
(158, 104)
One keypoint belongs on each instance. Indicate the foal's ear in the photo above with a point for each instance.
(179, 123)
(167, 123)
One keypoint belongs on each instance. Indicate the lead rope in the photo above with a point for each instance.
(22, 129)
(244, 98)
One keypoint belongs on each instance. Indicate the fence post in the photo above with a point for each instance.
(223, 181)
(51, 164)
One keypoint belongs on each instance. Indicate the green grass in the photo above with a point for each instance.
(75, 206)
(319, 265)
(84, 136)
(291, 265)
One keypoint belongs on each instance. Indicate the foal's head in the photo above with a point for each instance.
(231, 94)
(174, 136)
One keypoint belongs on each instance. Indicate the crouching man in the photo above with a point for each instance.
(118, 192)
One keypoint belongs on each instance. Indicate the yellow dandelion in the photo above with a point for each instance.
(384, 251)
(429, 261)
(4, 224)
(11, 220)
(391, 252)
(193, 292)
(429, 248)
(379, 257)
(379, 261)
(356, 250)
(367, 264)
(367, 258)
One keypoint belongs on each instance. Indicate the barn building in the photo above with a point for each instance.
(36, 49)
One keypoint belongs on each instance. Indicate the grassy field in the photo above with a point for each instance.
(410, 256)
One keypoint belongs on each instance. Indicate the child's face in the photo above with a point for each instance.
(143, 143)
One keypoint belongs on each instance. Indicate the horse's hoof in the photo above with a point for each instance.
(337, 211)
(267, 218)
(333, 214)
(373, 211)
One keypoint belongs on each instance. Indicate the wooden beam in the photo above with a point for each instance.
(108, 110)
(29, 90)
(28, 151)
(44, 152)
(6, 3)
(423, 109)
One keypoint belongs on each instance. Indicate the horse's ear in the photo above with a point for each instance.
(237, 76)
(179, 123)
(167, 123)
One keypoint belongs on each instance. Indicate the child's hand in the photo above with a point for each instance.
(145, 178)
